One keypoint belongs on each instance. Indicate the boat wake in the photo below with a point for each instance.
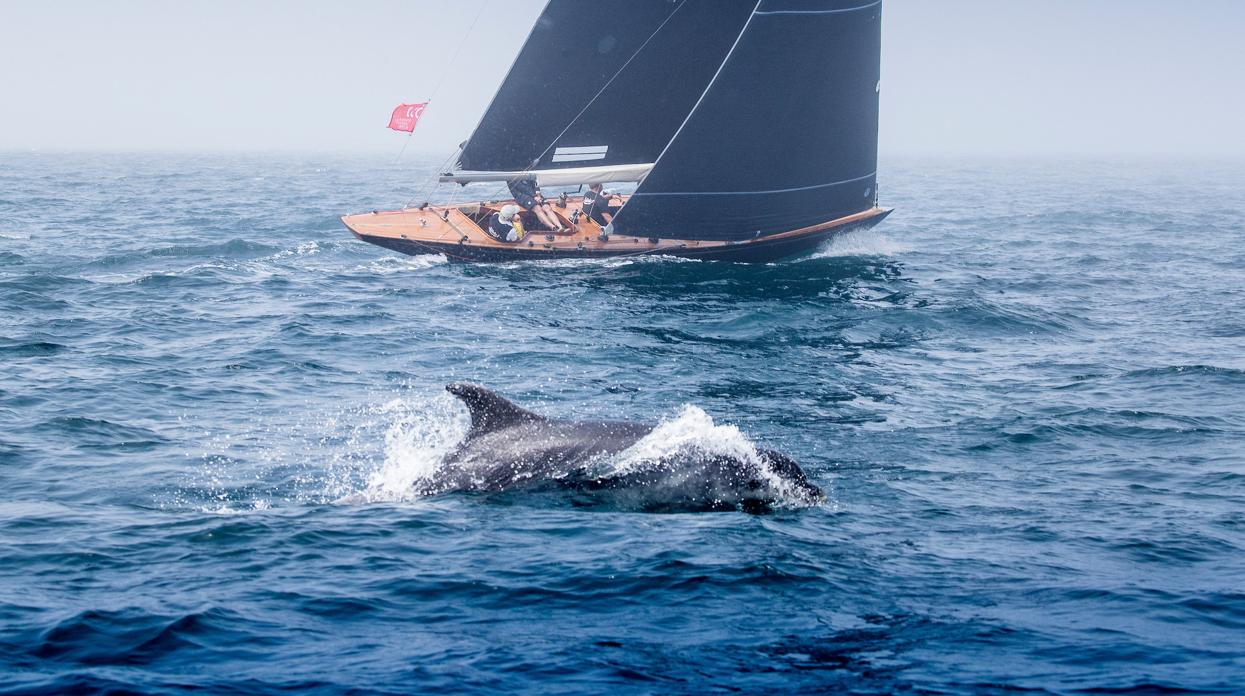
(388, 265)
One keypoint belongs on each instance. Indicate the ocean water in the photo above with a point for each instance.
(1024, 395)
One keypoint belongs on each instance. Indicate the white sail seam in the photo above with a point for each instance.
(818, 12)
(753, 193)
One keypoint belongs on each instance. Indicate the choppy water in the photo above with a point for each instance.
(1024, 395)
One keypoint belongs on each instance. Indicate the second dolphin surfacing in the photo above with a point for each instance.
(509, 448)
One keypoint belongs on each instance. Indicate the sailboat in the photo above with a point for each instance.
(748, 128)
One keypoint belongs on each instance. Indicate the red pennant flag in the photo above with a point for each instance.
(406, 116)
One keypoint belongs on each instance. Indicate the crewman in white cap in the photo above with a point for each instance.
(506, 226)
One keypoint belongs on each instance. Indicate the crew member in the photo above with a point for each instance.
(506, 226)
(597, 205)
(527, 194)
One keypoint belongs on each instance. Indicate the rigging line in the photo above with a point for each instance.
(405, 141)
(431, 182)
(610, 81)
(605, 86)
(459, 50)
(426, 188)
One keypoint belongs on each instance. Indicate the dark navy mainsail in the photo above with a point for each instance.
(784, 137)
(603, 84)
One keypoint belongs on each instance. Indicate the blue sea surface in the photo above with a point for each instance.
(1024, 394)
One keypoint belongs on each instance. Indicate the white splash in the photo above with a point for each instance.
(693, 436)
(303, 249)
(419, 435)
(226, 510)
(602, 263)
(692, 431)
(387, 265)
(863, 243)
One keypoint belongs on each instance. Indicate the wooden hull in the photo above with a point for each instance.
(457, 233)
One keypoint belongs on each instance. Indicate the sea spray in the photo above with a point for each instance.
(420, 433)
(863, 243)
(690, 458)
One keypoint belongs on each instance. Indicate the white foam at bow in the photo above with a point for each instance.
(863, 243)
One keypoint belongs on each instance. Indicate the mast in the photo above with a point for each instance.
(599, 88)
(784, 136)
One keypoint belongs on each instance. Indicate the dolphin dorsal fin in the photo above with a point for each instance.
(489, 410)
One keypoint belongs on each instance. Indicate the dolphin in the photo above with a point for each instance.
(510, 448)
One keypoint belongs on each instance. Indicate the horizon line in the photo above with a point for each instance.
(378, 152)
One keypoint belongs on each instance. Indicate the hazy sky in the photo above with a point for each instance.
(974, 77)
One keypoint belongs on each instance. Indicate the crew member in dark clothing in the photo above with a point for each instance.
(597, 205)
(527, 194)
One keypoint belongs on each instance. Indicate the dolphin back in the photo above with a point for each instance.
(489, 410)
(512, 449)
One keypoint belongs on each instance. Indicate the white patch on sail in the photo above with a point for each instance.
(569, 176)
(580, 154)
